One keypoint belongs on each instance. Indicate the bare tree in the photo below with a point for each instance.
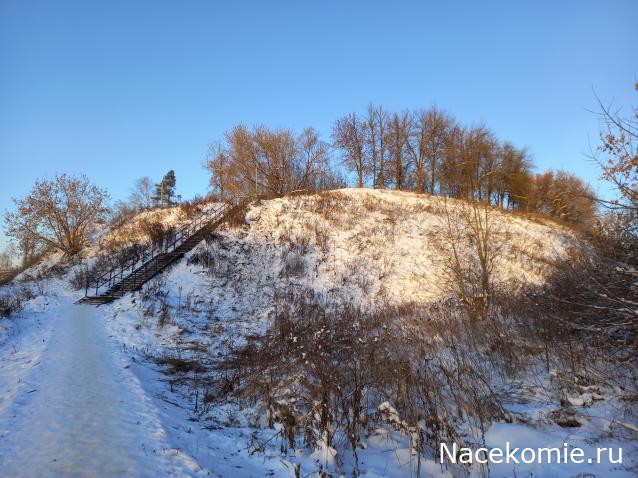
(261, 160)
(265, 161)
(617, 156)
(399, 140)
(376, 144)
(218, 164)
(619, 138)
(572, 199)
(449, 169)
(313, 160)
(6, 260)
(142, 192)
(469, 249)
(513, 177)
(349, 135)
(428, 146)
(563, 196)
(478, 163)
(57, 213)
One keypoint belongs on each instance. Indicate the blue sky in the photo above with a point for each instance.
(119, 90)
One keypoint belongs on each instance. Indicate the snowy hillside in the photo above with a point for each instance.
(366, 248)
(380, 253)
(380, 247)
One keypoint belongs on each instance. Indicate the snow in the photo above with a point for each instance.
(372, 246)
(81, 393)
(80, 397)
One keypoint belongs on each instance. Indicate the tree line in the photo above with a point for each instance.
(425, 151)
(428, 151)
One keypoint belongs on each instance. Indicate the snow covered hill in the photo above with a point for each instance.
(369, 250)
(366, 248)
(377, 247)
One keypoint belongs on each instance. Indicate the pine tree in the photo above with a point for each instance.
(165, 189)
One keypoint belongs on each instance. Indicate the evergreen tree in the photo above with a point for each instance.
(165, 189)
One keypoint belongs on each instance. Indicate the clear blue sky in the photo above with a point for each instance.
(119, 90)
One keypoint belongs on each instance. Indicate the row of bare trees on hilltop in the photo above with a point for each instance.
(428, 151)
(425, 151)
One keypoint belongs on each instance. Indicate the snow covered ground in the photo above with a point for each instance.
(73, 407)
(82, 394)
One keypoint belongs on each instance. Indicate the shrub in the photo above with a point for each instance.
(294, 265)
(154, 230)
(189, 209)
(84, 275)
(334, 366)
(11, 300)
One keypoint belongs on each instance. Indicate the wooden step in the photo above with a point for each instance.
(138, 277)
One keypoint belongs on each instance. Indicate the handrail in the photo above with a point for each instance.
(150, 252)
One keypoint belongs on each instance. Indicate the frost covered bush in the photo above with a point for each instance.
(322, 371)
(322, 392)
(12, 299)
(585, 320)
(330, 375)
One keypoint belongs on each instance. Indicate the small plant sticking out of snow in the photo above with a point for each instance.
(294, 265)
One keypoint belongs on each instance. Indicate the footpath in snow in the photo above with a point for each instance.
(80, 412)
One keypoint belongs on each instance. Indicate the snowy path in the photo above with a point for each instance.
(81, 413)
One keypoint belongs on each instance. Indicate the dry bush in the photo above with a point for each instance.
(371, 203)
(156, 231)
(325, 380)
(319, 235)
(121, 214)
(293, 264)
(333, 366)
(164, 314)
(195, 206)
(202, 256)
(323, 370)
(175, 365)
(586, 314)
(189, 210)
(236, 220)
(328, 204)
(154, 290)
(469, 247)
(428, 208)
(148, 227)
(6, 276)
(12, 299)
(84, 275)
(48, 271)
(212, 256)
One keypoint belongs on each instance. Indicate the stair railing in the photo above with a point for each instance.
(137, 261)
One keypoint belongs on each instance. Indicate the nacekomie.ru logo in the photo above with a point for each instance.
(509, 454)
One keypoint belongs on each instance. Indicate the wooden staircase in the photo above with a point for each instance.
(139, 269)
